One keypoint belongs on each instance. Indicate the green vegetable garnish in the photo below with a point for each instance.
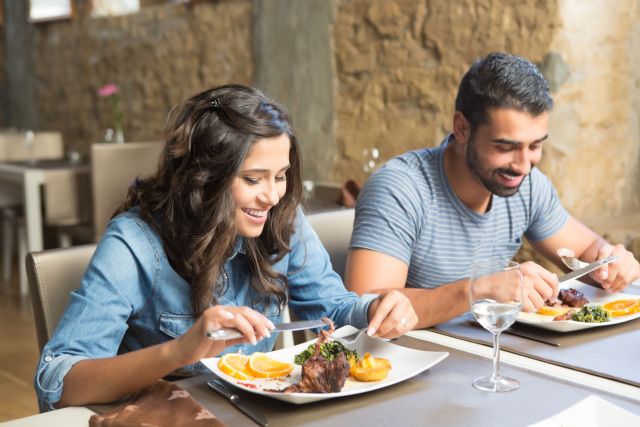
(591, 314)
(328, 350)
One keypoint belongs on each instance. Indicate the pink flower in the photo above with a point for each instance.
(108, 90)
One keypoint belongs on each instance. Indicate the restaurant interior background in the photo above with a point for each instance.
(355, 74)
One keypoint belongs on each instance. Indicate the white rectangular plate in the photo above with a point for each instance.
(591, 411)
(594, 295)
(405, 363)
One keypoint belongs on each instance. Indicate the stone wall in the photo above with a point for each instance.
(593, 153)
(157, 57)
(399, 63)
(365, 73)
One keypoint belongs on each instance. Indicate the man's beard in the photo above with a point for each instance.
(490, 184)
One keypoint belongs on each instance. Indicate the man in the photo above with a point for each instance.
(424, 216)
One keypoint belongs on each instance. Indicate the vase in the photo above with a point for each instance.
(119, 136)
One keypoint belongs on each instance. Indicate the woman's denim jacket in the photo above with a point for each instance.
(131, 298)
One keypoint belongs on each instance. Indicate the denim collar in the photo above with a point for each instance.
(238, 247)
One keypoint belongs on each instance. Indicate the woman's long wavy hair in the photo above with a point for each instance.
(189, 200)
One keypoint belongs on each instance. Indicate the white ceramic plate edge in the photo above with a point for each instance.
(403, 373)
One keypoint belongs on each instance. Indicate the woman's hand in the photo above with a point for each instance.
(194, 344)
(391, 315)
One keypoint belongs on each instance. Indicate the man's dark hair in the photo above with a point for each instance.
(501, 80)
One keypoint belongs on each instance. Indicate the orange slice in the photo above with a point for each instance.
(262, 366)
(552, 311)
(622, 307)
(235, 365)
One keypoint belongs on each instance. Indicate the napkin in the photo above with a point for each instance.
(592, 411)
(161, 404)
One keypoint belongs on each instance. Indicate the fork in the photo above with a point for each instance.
(350, 339)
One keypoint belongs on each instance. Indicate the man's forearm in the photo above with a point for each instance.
(438, 305)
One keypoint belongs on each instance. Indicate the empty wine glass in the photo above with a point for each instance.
(496, 291)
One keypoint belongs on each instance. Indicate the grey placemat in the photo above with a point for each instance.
(610, 351)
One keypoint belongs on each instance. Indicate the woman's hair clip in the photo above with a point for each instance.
(215, 104)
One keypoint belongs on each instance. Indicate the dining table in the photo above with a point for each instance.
(30, 177)
(440, 396)
(607, 351)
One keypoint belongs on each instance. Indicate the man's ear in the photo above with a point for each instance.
(461, 128)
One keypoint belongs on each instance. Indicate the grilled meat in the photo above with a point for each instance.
(566, 316)
(572, 298)
(320, 375)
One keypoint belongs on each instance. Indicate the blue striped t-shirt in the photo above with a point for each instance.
(408, 210)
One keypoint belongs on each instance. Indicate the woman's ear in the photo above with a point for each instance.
(461, 128)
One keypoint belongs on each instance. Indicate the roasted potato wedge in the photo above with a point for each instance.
(369, 368)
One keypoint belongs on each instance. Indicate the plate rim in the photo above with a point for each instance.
(302, 398)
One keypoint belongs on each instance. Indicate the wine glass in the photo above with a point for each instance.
(496, 292)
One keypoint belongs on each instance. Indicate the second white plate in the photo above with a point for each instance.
(594, 295)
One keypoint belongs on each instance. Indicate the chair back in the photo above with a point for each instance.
(334, 229)
(53, 274)
(114, 167)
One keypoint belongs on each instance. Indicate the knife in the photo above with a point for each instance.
(229, 334)
(588, 269)
(241, 403)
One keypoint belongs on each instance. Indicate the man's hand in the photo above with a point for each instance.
(540, 285)
(391, 315)
(615, 276)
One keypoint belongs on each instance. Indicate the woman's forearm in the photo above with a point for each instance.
(106, 380)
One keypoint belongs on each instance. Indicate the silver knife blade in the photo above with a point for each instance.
(229, 334)
(242, 404)
(588, 269)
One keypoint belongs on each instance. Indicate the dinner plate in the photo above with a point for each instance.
(405, 363)
(594, 295)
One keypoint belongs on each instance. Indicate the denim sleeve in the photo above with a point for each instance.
(115, 285)
(315, 289)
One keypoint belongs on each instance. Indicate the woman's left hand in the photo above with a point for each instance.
(391, 315)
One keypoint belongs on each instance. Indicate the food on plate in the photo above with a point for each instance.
(258, 365)
(622, 307)
(566, 306)
(567, 315)
(262, 366)
(555, 310)
(369, 368)
(591, 314)
(328, 350)
(572, 298)
(235, 365)
(320, 375)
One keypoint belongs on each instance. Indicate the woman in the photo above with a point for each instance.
(214, 239)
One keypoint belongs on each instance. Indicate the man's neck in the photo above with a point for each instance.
(471, 192)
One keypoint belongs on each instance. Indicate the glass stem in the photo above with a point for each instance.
(496, 357)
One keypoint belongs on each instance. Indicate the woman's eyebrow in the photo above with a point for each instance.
(261, 170)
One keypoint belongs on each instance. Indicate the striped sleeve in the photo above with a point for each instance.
(548, 215)
(388, 214)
